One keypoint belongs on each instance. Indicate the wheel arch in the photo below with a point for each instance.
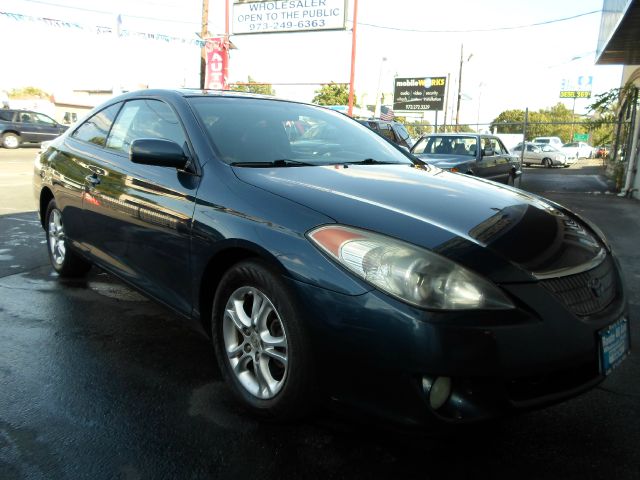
(221, 261)
(46, 195)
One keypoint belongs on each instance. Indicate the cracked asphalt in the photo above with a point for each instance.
(98, 382)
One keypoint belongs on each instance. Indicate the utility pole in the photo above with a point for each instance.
(459, 88)
(446, 102)
(203, 35)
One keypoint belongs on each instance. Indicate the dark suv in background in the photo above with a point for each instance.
(25, 126)
(393, 131)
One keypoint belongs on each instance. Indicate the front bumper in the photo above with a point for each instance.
(374, 352)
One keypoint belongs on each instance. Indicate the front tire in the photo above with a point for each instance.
(514, 181)
(261, 343)
(547, 163)
(65, 261)
(10, 140)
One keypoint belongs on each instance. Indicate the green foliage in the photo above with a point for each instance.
(27, 93)
(333, 94)
(415, 129)
(555, 121)
(604, 108)
(266, 89)
(509, 121)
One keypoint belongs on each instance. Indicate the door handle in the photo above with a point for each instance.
(93, 179)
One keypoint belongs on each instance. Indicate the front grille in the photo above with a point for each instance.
(586, 293)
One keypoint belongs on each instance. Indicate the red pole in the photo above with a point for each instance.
(353, 55)
(225, 72)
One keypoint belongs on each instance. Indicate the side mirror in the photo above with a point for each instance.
(162, 153)
(487, 152)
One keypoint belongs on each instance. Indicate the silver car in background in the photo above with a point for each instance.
(545, 155)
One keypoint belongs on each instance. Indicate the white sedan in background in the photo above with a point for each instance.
(578, 149)
(545, 155)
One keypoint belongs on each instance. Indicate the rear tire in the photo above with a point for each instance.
(260, 340)
(10, 140)
(546, 162)
(63, 259)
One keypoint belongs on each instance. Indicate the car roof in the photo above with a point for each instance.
(197, 92)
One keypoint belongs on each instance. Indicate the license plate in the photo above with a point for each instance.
(614, 345)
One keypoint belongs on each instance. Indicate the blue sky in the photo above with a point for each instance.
(509, 69)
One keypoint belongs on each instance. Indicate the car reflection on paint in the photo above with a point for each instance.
(343, 269)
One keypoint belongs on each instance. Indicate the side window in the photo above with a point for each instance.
(25, 117)
(386, 132)
(96, 128)
(44, 120)
(498, 147)
(402, 133)
(145, 119)
(6, 116)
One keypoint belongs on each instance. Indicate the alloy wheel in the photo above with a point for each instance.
(56, 237)
(255, 342)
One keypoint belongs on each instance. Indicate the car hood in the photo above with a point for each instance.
(501, 232)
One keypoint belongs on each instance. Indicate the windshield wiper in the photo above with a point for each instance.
(282, 162)
(371, 161)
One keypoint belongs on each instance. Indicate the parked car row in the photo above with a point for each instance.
(338, 265)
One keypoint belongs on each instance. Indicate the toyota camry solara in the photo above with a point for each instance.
(334, 265)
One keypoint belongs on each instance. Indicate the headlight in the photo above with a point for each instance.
(413, 274)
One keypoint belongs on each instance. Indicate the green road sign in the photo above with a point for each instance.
(580, 137)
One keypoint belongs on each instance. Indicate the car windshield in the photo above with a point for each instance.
(261, 132)
(446, 145)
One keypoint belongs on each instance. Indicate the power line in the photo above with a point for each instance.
(168, 20)
(495, 29)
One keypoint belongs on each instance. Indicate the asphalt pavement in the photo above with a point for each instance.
(96, 381)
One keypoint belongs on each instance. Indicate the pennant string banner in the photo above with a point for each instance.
(101, 30)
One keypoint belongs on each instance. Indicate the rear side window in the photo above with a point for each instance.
(96, 128)
(6, 116)
(145, 119)
(386, 132)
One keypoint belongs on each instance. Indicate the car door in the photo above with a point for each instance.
(486, 165)
(74, 161)
(48, 128)
(503, 160)
(26, 125)
(141, 214)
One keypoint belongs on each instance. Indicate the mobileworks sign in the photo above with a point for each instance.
(269, 16)
(419, 94)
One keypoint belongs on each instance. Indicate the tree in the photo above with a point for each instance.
(27, 93)
(262, 89)
(604, 109)
(509, 121)
(333, 94)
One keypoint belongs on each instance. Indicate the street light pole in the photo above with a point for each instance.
(376, 110)
(479, 100)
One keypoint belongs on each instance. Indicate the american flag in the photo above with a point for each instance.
(386, 113)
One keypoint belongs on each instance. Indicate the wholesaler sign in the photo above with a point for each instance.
(268, 16)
